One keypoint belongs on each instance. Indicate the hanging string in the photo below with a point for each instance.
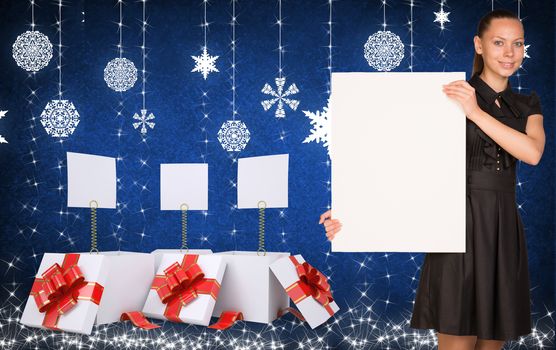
(60, 49)
(411, 5)
(280, 38)
(234, 112)
(143, 52)
(120, 27)
(330, 43)
(206, 24)
(32, 14)
(384, 14)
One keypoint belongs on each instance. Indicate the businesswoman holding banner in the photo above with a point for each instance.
(480, 299)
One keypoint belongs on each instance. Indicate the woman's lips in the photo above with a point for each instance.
(506, 65)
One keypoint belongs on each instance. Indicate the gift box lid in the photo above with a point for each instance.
(307, 287)
(198, 301)
(81, 317)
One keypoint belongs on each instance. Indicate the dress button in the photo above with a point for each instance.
(497, 168)
(497, 161)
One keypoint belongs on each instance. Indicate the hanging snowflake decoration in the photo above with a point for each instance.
(143, 121)
(120, 74)
(2, 115)
(384, 50)
(321, 126)
(32, 51)
(525, 54)
(59, 118)
(280, 96)
(441, 17)
(233, 135)
(205, 63)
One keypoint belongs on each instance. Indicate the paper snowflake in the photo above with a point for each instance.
(120, 74)
(525, 54)
(384, 50)
(143, 121)
(2, 115)
(59, 118)
(321, 123)
(442, 17)
(280, 96)
(233, 135)
(205, 63)
(32, 51)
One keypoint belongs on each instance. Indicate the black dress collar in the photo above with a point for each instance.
(489, 96)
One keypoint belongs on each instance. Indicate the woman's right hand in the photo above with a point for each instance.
(332, 226)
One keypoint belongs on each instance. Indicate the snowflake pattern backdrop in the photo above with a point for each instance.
(375, 291)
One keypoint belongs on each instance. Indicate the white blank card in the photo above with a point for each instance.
(398, 163)
(184, 184)
(263, 178)
(91, 177)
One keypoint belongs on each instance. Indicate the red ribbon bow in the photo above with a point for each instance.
(60, 288)
(312, 283)
(181, 284)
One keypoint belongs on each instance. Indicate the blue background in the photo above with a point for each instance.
(375, 291)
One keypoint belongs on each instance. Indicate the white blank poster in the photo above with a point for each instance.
(398, 163)
(91, 177)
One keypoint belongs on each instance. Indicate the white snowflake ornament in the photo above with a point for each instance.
(441, 17)
(2, 115)
(321, 123)
(120, 74)
(205, 63)
(59, 118)
(143, 121)
(233, 135)
(525, 54)
(384, 50)
(32, 51)
(280, 96)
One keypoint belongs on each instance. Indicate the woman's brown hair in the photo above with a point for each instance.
(484, 23)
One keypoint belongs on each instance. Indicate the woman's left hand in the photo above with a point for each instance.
(462, 92)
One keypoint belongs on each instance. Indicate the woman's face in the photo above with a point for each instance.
(502, 46)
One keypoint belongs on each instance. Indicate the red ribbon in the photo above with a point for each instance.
(138, 319)
(181, 284)
(60, 288)
(227, 319)
(311, 283)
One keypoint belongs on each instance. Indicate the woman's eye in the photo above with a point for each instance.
(519, 44)
(497, 42)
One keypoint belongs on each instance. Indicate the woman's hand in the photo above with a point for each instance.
(464, 94)
(332, 226)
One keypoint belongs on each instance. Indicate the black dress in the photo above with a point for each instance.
(484, 291)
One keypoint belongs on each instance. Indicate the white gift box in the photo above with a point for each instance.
(199, 310)
(315, 313)
(250, 287)
(124, 279)
(159, 253)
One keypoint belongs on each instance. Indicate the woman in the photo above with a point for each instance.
(480, 298)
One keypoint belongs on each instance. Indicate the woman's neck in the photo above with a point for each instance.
(496, 82)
